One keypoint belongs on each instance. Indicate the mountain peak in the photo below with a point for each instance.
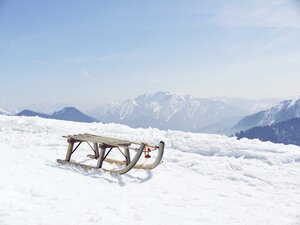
(27, 112)
(66, 110)
(167, 110)
(284, 111)
(163, 93)
(294, 102)
(72, 114)
(46, 107)
(67, 113)
(155, 95)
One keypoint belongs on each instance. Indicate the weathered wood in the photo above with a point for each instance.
(101, 157)
(127, 154)
(132, 163)
(84, 166)
(118, 171)
(105, 142)
(70, 149)
(144, 165)
(120, 162)
(96, 149)
(99, 139)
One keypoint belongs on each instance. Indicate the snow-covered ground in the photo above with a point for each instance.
(204, 179)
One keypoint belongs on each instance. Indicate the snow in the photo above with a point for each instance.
(166, 110)
(4, 112)
(295, 101)
(204, 179)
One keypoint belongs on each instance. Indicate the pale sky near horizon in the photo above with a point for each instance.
(86, 53)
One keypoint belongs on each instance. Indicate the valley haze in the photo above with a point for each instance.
(166, 110)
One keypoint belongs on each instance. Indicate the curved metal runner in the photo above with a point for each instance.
(103, 143)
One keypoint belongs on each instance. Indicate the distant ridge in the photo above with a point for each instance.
(284, 111)
(67, 113)
(27, 112)
(287, 132)
(163, 110)
(166, 110)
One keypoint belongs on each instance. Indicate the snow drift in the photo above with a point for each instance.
(204, 179)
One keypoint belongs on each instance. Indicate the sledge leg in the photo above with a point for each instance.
(127, 154)
(96, 149)
(69, 150)
(101, 156)
(132, 163)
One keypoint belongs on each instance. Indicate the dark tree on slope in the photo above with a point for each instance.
(287, 132)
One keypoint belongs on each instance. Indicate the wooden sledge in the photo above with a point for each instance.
(102, 144)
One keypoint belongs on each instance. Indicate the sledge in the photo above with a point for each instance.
(102, 147)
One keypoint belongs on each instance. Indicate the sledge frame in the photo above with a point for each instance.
(102, 146)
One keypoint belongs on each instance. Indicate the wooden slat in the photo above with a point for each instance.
(144, 165)
(113, 142)
(84, 166)
(98, 139)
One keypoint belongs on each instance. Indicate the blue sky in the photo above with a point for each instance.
(86, 53)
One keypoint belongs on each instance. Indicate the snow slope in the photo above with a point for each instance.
(284, 111)
(4, 112)
(204, 179)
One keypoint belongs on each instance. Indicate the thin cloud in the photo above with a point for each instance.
(259, 13)
(123, 56)
(96, 58)
(278, 39)
(243, 68)
(275, 42)
(127, 56)
(117, 56)
(27, 40)
(81, 59)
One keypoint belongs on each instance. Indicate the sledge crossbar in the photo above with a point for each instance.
(100, 146)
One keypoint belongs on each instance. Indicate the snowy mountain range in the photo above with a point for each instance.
(286, 132)
(165, 110)
(67, 113)
(284, 111)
